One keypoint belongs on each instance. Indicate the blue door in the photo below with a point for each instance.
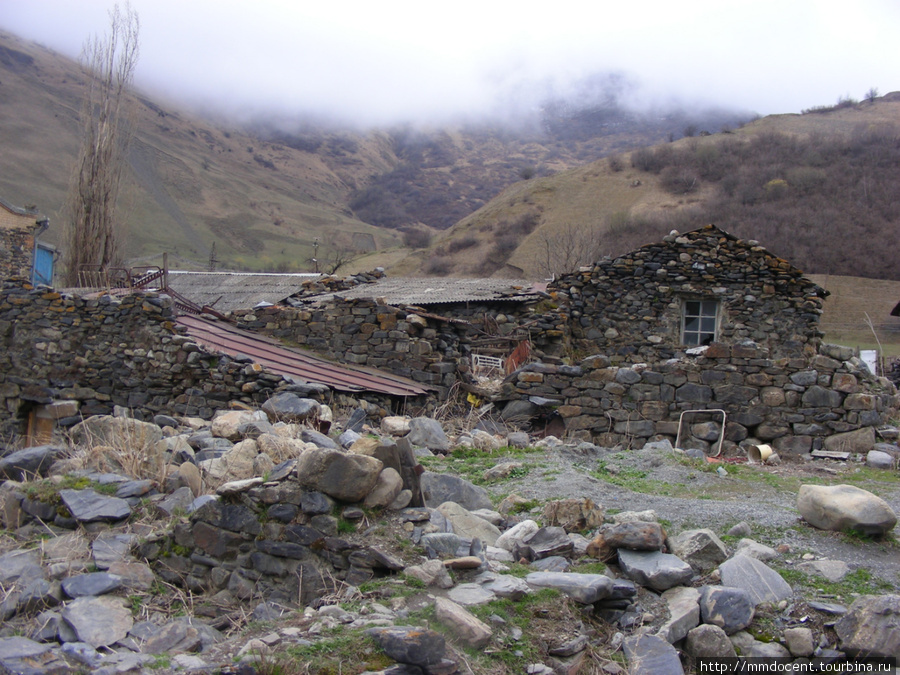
(43, 265)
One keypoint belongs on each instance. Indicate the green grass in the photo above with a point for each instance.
(471, 463)
(859, 582)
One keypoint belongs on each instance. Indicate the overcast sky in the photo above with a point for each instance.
(384, 61)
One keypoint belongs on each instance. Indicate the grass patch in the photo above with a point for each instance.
(471, 463)
(859, 582)
(350, 651)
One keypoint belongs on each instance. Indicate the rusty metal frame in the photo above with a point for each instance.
(707, 411)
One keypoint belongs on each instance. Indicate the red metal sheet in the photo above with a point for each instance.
(283, 360)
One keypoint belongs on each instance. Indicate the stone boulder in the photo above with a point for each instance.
(516, 535)
(659, 571)
(573, 515)
(467, 525)
(227, 424)
(428, 433)
(387, 488)
(288, 407)
(438, 488)
(761, 582)
(870, 627)
(345, 477)
(98, 621)
(651, 655)
(701, 549)
(29, 462)
(464, 626)
(584, 588)
(845, 507)
(731, 609)
(709, 642)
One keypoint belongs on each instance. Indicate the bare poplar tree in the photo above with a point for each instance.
(93, 235)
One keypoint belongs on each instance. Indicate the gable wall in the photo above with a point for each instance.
(16, 244)
(630, 308)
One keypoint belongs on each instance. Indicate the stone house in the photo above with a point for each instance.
(688, 291)
(701, 321)
(21, 254)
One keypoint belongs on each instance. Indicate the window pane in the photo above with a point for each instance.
(692, 307)
(691, 324)
(708, 325)
(691, 339)
(709, 307)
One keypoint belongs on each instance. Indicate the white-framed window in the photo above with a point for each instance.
(699, 322)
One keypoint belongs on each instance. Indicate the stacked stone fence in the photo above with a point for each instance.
(430, 348)
(795, 404)
(74, 357)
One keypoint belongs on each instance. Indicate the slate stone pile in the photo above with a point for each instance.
(797, 405)
(261, 514)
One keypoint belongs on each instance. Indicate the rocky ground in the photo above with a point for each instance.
(249, 546)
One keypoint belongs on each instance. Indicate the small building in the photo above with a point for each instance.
(22, 255)
(688, 291)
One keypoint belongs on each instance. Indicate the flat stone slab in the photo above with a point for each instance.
(98, 621)
(651, 655)
(833, 570)
(94, 583)
(761, 582)
(87, 506)
(470, 594)
(583, 588)
(659, 571)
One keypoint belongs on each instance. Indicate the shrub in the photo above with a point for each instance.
(679, 180)
(416, 238)
(438, 266)
(458, 245)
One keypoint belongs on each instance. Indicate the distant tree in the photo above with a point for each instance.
(337, 254)
(567, 248)
(527, 172)
(93, 233)
(872, 94)
(690, 130)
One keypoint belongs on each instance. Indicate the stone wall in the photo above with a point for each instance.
(432, 348)
(792, 403)
(630, 308)
(16, 252)
(105, 352)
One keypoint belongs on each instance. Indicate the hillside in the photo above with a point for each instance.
(819, 189)
(264, 191)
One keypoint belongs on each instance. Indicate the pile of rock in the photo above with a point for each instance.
(264, 509)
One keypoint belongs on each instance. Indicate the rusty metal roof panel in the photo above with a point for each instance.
(433, 291)
(233, 341)
(228, 291)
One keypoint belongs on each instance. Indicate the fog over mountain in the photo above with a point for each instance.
(363, 63)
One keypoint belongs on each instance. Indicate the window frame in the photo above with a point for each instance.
(706, 309)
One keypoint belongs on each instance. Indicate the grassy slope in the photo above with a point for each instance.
(189, 182)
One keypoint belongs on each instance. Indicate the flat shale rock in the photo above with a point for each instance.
(87, 506)
(98, 621)
(761, 582)
(659, 571)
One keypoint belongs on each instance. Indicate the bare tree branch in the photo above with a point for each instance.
(94, 236)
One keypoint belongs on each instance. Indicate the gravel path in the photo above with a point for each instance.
(714, 501)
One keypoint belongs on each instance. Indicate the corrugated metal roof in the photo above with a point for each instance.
(225, 338)
(433, 291)
(228, 291)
